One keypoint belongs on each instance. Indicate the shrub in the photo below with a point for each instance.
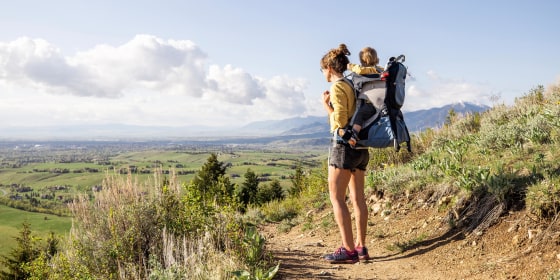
(159, 231)
(543, 198)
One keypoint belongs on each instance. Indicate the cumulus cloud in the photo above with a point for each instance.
(234, 85)
(105, 71)
(158, 79)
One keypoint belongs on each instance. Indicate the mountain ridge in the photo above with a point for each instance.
(416, 120)
(311, 127)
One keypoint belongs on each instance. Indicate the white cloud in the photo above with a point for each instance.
(146, 80)
(233, 85)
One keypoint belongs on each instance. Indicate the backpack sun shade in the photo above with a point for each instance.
(386, 127)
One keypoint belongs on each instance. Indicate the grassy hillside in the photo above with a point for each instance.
(476, 169)
(11, 224)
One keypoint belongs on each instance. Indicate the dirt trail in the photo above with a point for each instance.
(417, 244)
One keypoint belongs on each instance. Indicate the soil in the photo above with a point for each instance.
(415, 241)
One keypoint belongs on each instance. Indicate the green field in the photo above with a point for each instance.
(41, 171)
(273, 165)
(11, 221)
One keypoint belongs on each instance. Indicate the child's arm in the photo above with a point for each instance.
(356, 68)
(361, 70)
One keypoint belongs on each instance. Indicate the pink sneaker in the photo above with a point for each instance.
(362, 253)
(342, 256)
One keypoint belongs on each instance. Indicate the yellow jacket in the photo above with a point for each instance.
(364, 70)
(343, 102)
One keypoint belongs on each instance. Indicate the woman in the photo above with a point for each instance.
(346, 165)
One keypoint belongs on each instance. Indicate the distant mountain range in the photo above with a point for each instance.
(416, 121)
(301, 129)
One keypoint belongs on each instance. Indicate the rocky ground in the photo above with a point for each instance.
(413, 240)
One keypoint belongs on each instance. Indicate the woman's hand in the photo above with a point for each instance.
(327, 101)
(326, 97)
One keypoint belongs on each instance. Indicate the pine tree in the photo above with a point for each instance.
(270, 192)
(25, 252)
(208, 181)
(276, 190)
(298, 181)
(249, 188)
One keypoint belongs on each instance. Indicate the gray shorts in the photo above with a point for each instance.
(343, 156)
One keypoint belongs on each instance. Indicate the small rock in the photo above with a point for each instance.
(444, 200)
(377, 196)
(308, 214)
(513, 228)
(385, 213)
(532, 233)
(376, 208)
(515, 239)
(314, 244)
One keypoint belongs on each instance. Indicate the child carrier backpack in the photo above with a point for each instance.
(386, 92)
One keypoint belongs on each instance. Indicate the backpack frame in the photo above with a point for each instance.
(386, 92)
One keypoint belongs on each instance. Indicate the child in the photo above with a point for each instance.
(369, 61)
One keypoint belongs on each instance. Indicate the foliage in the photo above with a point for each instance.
(25, 252)
(254, 245)
(270, 192)
(29, 250)
(258, 274)
(279, 210)
(543, 198)
(160, 231)
(298, 181)
(211, 183)
(247, 192)
(507, 153)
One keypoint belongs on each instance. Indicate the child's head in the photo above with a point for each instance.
(336, 59)
(368, 57)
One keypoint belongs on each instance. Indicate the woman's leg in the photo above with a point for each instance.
(338, 184)
(357, 196)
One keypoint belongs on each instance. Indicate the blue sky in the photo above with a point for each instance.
(181, 63)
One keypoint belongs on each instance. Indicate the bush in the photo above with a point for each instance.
(543, 198)
(159, 231)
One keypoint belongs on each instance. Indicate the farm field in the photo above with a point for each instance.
(81, 170)
(39, 180)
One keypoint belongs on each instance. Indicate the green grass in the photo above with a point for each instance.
(11, 221)
(278, 165)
